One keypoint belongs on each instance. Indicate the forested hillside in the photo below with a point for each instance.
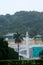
(22, 21)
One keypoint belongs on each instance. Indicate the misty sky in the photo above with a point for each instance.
(12, 6)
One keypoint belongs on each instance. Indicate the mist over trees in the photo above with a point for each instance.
(22, 21)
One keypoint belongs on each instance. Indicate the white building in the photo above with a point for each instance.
(27, 50)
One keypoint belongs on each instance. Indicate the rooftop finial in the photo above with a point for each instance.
(26, 33)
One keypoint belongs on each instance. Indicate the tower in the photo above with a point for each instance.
(27, 44)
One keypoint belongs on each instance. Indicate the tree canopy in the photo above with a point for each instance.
(22, 21)
(7, 52)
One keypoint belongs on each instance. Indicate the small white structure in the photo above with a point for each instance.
(27, 44)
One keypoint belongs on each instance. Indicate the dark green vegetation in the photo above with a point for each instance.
(6, 52)
(18, 39)
(22, 21)
(21, 62)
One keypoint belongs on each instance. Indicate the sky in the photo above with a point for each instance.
(12, 6)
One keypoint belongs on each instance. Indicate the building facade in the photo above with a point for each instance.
(28, 49)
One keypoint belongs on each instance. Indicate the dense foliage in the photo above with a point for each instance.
(6, 52)
(22, 21)
(21, 62)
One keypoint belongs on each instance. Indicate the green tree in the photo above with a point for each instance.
(7, 52)
(18, 39)
(12, 54)
(3, 49)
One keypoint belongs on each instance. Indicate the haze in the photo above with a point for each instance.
(12, 6)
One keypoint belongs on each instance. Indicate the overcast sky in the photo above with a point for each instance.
(12, 6)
